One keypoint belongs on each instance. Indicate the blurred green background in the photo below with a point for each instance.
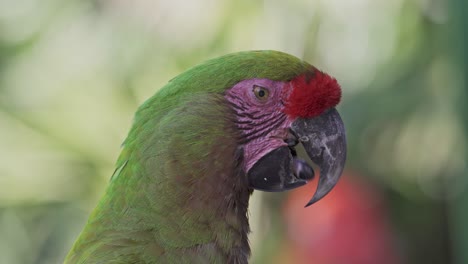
(72, 73)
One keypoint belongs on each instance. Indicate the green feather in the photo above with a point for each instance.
(179, 194)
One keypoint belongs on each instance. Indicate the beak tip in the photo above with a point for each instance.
(313, 200)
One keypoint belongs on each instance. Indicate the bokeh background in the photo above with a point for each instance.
(72, 73)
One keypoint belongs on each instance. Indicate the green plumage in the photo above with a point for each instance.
(179, 194)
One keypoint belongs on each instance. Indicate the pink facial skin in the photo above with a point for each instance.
(264, 124)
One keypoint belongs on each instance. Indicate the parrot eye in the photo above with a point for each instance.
(261, 93)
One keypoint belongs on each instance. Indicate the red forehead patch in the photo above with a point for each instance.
(312, 93)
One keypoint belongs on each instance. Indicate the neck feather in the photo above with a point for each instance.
(182, 184)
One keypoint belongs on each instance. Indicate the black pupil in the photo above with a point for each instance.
(261, 93)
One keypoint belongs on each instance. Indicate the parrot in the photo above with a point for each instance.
(200, 146)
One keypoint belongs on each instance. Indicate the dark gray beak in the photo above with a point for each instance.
(324, 140)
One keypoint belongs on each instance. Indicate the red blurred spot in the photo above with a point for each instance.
(348, 226)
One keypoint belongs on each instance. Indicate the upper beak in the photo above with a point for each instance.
(324, 140)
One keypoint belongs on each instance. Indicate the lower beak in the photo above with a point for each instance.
(324, 140)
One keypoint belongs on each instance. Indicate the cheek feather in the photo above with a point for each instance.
(312, 93)
(256, 116)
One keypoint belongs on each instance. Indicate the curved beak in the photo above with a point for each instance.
(324, 140)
